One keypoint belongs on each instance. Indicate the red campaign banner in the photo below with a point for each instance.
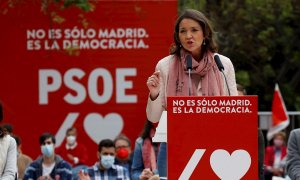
(87, 70)
(212, 138)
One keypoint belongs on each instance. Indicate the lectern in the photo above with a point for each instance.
(211, 137)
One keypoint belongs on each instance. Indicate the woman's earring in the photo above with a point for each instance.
(180, 45)
(204, 42)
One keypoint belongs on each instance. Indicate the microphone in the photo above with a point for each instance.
(189, 66)
(221, 68)
(219, 63)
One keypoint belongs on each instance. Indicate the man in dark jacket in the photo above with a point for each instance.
(49, 165)
(293, 155)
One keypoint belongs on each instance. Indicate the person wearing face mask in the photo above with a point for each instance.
(123, 152)
(74, 152)
(106, 167)
(48, 165)
(275, 157)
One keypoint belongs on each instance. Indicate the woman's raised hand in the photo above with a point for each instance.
(153, 84)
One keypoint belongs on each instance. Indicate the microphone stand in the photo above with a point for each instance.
(190, 82)
(221, 68)
(189, 65)
(225, 81)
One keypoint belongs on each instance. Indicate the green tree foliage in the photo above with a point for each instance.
(85, 5)
(262, 39)
(53, 8)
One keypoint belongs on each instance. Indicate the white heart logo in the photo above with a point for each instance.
(99, 127)
(230, 167)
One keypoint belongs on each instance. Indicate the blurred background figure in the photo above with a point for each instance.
(9, 128)
(23, 160)
(241, 90)
(74, 152)
(8, 153)
(48, 165)
(144, 164)
(124, 154)
(275, 157)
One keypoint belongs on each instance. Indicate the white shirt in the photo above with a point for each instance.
(48, 169)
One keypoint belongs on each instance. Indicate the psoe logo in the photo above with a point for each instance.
(224, 165)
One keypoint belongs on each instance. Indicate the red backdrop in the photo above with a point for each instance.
(98, 84)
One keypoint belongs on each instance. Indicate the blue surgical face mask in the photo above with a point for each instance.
(47, 150)
(107, 161)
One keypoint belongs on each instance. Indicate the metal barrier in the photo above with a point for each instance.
(265, 119)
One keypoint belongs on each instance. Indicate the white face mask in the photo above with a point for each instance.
(71, 139)
(107, 161)
(47, 149)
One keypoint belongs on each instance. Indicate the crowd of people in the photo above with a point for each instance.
(194, 38)
(115, 157)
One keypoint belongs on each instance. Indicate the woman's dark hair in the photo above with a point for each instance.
(208, 32)
(9, 128)
(3, 132)
(146, 130)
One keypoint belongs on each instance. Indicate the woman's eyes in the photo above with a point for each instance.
(184, 31)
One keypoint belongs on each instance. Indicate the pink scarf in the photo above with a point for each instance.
(148, 153)
(211, 79)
